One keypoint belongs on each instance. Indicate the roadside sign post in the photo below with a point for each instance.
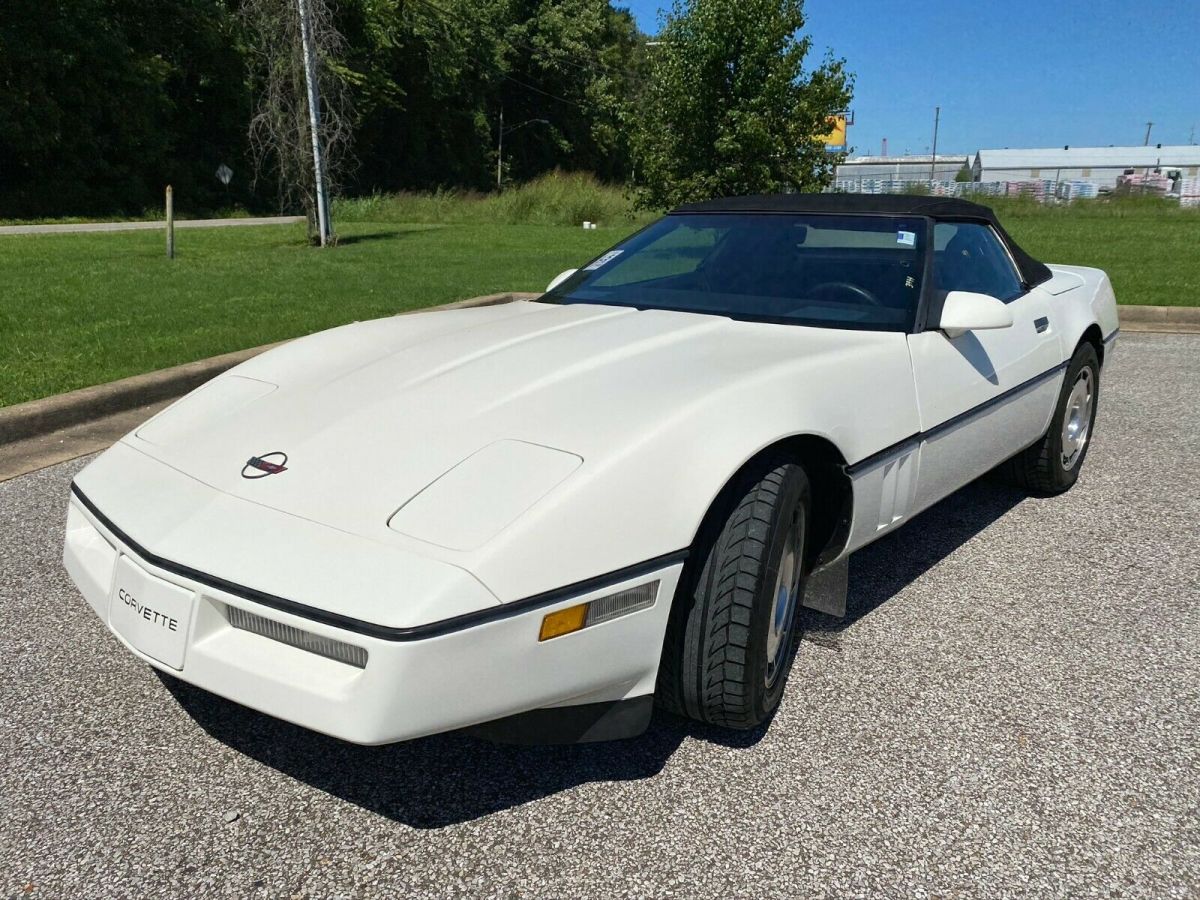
(170, 222)
(225, 175)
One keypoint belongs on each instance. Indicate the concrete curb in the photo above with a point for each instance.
(40, 417)
(1171, 319)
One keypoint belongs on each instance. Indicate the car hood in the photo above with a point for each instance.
(372, 414)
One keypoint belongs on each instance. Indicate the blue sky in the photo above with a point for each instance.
(1016, 73)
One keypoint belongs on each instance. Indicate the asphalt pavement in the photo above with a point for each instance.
(1012, 708)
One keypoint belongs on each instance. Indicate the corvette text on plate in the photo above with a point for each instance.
(150, 615)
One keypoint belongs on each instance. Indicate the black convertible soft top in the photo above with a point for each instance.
(1032, 271)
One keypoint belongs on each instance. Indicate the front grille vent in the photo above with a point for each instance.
(294, 637)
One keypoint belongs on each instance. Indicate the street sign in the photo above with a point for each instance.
(224, 174)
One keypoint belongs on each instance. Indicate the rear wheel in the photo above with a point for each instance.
(1052, 465)
(732, 634)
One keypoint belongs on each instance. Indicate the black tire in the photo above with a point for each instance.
(715, 666)
(1044, 469)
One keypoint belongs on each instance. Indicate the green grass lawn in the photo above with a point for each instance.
(1150, 250)
(84, 309)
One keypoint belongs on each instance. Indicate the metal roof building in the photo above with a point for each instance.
(901, 168)
(1100, 165)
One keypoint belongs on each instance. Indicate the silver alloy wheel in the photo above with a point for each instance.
(1077, 419)
(783, 605)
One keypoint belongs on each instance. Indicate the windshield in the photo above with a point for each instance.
(833, 271)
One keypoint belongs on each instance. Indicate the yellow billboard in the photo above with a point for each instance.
(835, 138)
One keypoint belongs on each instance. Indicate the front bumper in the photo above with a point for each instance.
(409, 686)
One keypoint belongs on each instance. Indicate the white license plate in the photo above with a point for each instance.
(151, 614)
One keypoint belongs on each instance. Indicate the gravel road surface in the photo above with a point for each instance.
(1013, 708)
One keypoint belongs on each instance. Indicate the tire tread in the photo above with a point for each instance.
(712, 639)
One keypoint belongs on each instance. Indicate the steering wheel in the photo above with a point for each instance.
(859, 293)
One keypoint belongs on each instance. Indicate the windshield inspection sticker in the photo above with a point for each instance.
(906, 238)
(603, 260)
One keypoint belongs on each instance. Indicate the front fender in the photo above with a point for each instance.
(650, 497)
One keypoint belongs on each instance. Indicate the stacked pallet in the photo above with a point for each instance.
(1189, 192)
(1038, 189)
(1078, 190)
(1137, 183)
(982, 189)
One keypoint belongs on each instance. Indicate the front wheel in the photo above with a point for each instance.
(732, 634)
(1052, 465)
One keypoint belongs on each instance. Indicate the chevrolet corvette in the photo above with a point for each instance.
(539, 519)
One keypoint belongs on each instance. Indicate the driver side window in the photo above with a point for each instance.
(968, 256)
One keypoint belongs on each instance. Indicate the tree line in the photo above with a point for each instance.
(106, 101)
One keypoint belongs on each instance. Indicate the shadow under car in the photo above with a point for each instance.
(446, 779)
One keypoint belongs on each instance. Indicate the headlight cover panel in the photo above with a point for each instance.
(484, 494)
(199, 409)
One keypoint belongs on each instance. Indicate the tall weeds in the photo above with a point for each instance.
(557, 198)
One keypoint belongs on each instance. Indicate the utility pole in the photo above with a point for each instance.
(1146, 142)
(314, 122)
(500, 148)
(937, 116)
(500, 141)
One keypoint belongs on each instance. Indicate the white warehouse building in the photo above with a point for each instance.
(901, 168)
(1099, 165)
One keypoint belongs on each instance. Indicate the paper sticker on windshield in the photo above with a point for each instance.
(604, 260)
(906, 238)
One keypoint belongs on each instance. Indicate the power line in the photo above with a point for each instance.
(538, 90)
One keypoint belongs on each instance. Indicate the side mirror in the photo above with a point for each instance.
(965, 311)
(560, 278)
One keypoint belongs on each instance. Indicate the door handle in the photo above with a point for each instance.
(1041, 324)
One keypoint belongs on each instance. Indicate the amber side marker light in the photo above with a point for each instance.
(602, 609)
(563, 621)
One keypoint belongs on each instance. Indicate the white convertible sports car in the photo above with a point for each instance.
(537, 518)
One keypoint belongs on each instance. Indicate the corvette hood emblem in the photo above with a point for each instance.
(268, 464)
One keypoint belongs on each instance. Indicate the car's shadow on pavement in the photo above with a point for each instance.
(443, 780)
(881, 570)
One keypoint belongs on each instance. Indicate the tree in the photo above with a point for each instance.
(575, 63)
(280, 133)
(730, 108)
(104, 102)
(431, 77)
